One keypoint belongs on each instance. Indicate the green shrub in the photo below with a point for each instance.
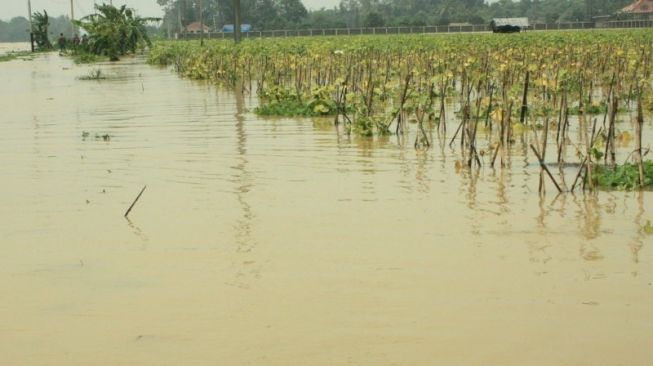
(622, 177)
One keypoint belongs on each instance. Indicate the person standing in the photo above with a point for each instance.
(62, 42)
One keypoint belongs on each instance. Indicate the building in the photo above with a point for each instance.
(197, 27)
(639, 9)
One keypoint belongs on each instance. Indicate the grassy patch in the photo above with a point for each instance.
(7, 57)
(27, 55)
(83, 57)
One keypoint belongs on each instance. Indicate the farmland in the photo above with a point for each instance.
(596, 84)
(332, 201)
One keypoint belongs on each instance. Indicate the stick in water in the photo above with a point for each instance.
(133, 203)
(543, 166)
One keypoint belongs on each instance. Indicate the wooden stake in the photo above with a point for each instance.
(638, 131)
(133, 203)
(543, 166)
(524, 103)
(583, 167)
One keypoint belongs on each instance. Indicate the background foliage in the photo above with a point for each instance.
(290, 14)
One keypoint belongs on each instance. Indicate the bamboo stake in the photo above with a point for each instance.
(580, 172)
(524, 103)
(638, 127)
(543, 166)
(136, 200)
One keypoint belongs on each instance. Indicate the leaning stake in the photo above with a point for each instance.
(543, 166)
(133, 203)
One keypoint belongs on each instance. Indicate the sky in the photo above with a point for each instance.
(144, 8)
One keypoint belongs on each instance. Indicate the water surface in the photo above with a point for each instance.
(8, 47)
(287, 242)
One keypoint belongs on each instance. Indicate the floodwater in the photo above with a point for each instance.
(13, 47)
(284, 242)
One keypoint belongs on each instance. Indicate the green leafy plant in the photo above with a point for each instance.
(622, 177)
(376, 84)
(287, 103)
(81, 56)
(40, 24)
(114, 32)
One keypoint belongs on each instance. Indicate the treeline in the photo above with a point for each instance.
(17, 29)
(291, 14)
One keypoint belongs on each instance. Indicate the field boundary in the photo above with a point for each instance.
(622, 24)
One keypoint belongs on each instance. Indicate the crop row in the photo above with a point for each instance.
(382, 84)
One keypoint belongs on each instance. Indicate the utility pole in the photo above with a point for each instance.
(237, 21)
(201, 26)
(31, 28)
(29, 14)
(179, 16)
(72, 17)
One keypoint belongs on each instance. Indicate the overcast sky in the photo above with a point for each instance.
(145, 8)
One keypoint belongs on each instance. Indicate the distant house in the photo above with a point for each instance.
(197, 27)
(508, 25)
(640, 8)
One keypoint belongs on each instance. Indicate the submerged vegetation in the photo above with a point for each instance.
(23, 55)
(114, 32)
(532, 85)
(623, 177)
(104, 137)
(94, 74)
(82, 56)
(288, 103)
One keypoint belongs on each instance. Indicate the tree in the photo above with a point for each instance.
(40, 24)
(324, 18)
(292, 11)
(16, 30)
(373, 19)
(115, 31)
(265, 15)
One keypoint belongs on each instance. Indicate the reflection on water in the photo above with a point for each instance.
(246, 268)
(289, 241)
(638, 243)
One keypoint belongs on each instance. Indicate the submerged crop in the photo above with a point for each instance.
(623, 177)
(380, 85)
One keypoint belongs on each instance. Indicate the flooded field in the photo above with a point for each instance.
(284, 242)
(6, 48)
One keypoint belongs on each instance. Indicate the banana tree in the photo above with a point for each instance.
(115, 32)
(40, 24)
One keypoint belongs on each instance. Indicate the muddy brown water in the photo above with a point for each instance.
(6, 48)
(284, 242)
